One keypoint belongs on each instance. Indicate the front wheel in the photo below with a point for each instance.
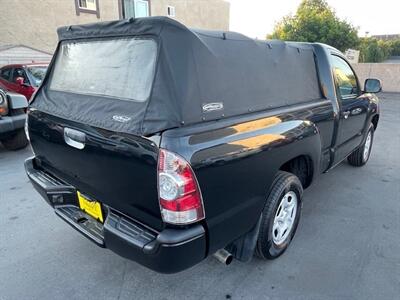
(361, 156)
(280, 216)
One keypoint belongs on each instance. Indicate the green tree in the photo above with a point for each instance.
(315, 21)
(395, 47)
(373, 50)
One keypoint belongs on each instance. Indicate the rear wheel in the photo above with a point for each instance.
(361, 156)
(16, 141)
(280, 216)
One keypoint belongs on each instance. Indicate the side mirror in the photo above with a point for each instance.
(372, 85)
(17, 101)
(19, 80)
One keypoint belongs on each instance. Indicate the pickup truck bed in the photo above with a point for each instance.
(211, 150)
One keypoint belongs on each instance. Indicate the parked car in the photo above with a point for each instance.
(12, 120)
(22, 78)
(168, 145)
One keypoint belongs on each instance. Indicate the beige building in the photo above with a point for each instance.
(34, 23)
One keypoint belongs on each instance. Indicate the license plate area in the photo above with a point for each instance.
(91, 207)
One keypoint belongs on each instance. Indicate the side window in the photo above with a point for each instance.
(5, 73)
(345, 78)
(19, 72)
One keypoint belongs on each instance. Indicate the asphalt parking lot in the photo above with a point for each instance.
(347, 245)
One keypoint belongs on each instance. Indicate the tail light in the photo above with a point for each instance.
(178, 190)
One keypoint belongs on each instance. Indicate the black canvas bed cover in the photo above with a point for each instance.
(199, 76)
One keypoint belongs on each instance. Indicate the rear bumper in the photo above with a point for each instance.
(12, 123)
(168, 251)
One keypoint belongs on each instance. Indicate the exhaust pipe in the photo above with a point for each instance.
(223, 256)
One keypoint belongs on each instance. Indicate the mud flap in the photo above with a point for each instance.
(243, 248)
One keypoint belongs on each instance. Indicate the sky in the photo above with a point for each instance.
(256, 18)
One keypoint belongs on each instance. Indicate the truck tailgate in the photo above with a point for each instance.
(118, 170)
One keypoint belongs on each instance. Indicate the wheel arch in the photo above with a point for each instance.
(302, 166)
(305, 156)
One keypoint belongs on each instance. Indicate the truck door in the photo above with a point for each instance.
(353, 108)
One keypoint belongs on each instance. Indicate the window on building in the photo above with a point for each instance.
(141, 8)
(171, 11)
(87, 6)
(135, 8)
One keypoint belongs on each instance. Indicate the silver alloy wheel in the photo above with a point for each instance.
(367, 146)
(284, 218)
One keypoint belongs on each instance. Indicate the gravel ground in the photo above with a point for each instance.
(347, 245)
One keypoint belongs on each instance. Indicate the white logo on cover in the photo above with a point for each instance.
(213, 106)
(122, 119)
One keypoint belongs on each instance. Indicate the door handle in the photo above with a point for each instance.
(346, 114)
(74, 138)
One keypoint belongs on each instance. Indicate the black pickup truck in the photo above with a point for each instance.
(168, 145)
(12, 120)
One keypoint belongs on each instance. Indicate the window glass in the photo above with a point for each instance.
(5, 73)
(135, 8)
(129, 9)
(19, 72)
(37, 74)
(345, 78)
(171, 11)
(117, 68)
(141, 9)
(87, 4)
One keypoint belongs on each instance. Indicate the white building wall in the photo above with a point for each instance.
(21, 54)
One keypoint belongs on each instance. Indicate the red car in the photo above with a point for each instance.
(22, 78)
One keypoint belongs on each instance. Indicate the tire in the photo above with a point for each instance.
(271, 243)
(361, 155)
(16, 141)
